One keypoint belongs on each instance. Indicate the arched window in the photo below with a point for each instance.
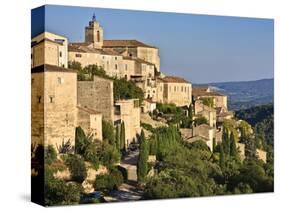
(98, 36)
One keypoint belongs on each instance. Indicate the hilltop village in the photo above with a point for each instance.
(61, 101)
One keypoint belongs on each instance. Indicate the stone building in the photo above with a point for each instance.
(49, 48)
(129, 59)
(202, 132)
(205, 111)
(174, 90)
(97, 95)
(91, 122)
(219, 99)
(53, 113)
(128, 111)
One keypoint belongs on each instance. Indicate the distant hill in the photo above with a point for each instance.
(246, 94)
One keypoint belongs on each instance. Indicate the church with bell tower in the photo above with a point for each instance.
(94, 33)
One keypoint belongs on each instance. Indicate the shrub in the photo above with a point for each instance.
(108, 182)
(50, 154)
(77, 167)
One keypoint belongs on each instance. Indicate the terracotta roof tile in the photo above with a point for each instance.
(172, 79)
(124, 43)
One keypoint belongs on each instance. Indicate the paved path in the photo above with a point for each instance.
(129, 190)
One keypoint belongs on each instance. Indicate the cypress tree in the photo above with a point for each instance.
(222, 158)
(225, 141)
(117, 138)
(190, 112)
(233, 149)
(142, 168)
(122, 137)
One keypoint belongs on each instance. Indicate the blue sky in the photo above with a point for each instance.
(199, 48)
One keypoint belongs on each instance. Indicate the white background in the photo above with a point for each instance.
(15, 104)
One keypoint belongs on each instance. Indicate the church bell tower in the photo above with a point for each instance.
(94, 33)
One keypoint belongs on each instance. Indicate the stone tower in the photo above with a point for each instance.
(94, 33)
(53, 105)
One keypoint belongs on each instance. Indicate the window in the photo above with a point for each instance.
(51, 99)
(60, 80)
(115, 58)
(116, 66)
(39, 99)
(60, 54)
(181, 88)
(32, 80)
(98, 36)
(31, 56)
(175, 88)
(78, 55)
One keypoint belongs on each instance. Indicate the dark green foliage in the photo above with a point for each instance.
(75, 65)
(222, 157)
(124, 89)
(253, 174)
(226, 141)
(190, 112)
(200, 120)
(81, 141)
(167, 108)
(108, 182)
(50, 154)
(142, 167)
(108, 132)
(65, 147)
(261, 117)
(122, 137)
(184, 171)
(147, 127)
(77, 167)
(91, 155)
(233, 148)
(118, 137)
(108, 155)
(58, 192)
(208, 101)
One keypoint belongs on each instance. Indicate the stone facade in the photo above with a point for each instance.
(209, 113)
(202, 132)
(128, 111)
(97, 95)
(91, 122)
(49, 48)
(54, 114)
(219, 99)
(174, 90)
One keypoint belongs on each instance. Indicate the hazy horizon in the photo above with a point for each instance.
(201, 48)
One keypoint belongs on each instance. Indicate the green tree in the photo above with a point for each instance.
(81, 141)
(233, 148)
(77, 167)
(50, 154)
(190, 112)
(222, 157)
(225, 141)
(118, 137)
(108, 132)
(142, 167)
(122, 137)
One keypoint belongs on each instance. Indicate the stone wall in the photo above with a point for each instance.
(60, 102)
(91, 122)
(129, 113)
(97, 95)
